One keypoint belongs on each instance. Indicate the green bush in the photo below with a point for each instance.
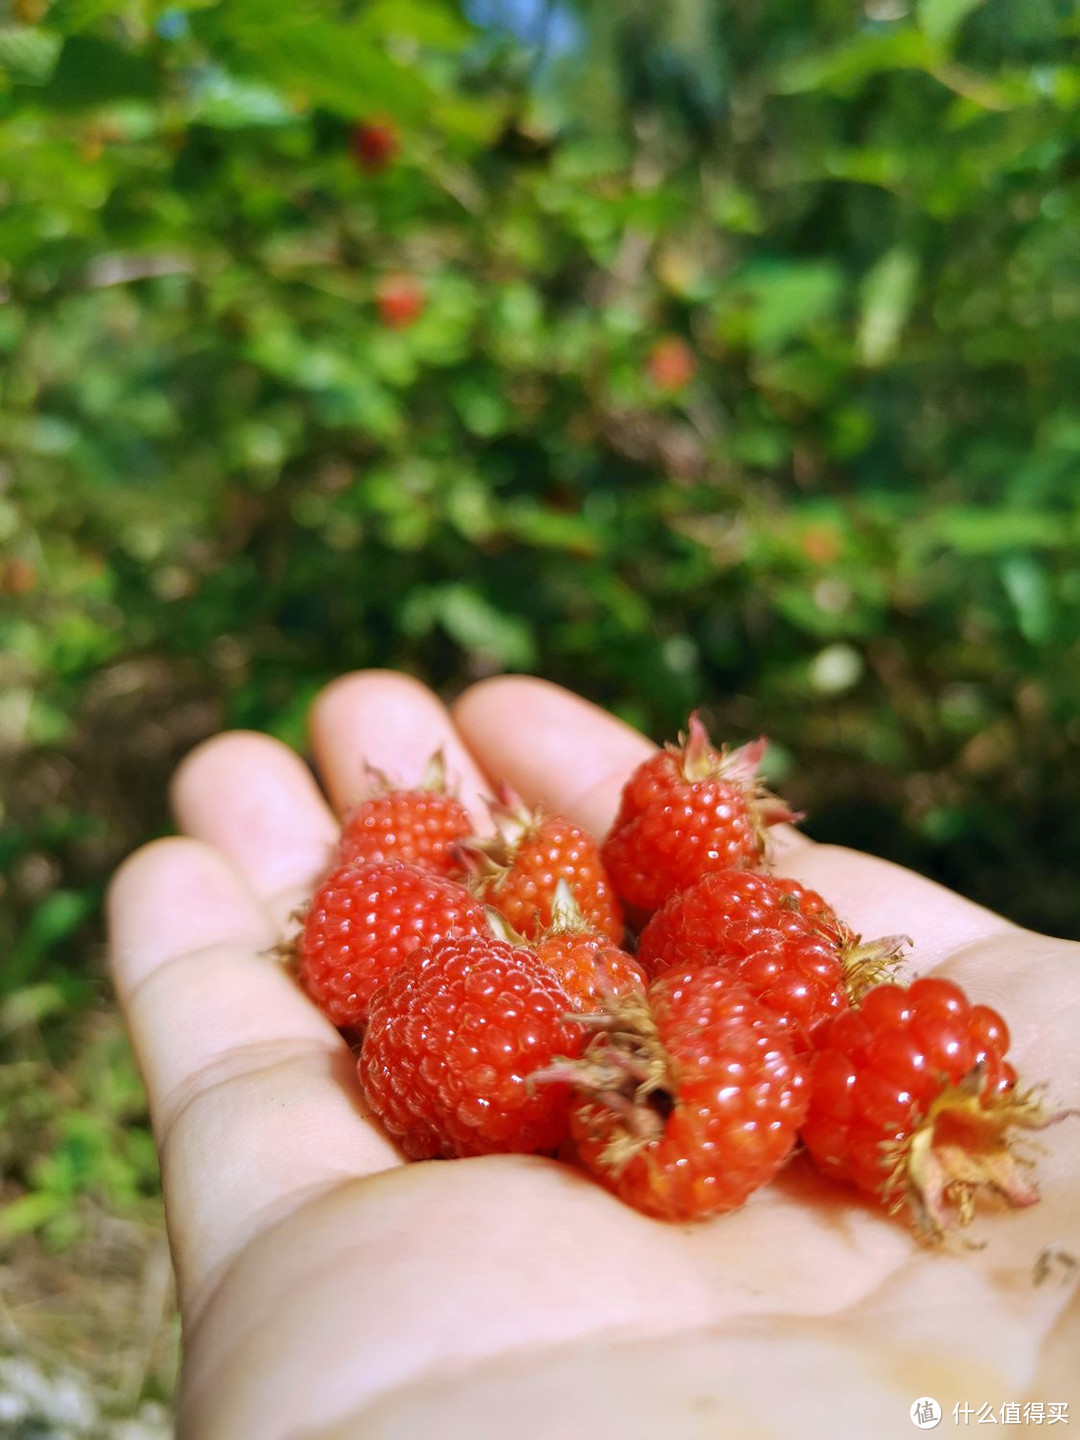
(225, 478)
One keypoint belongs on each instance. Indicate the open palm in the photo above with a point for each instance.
(329, 1290)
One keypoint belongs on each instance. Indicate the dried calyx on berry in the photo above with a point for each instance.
(433, 781)
(865, 963)
(698, 759)
(970, 1143)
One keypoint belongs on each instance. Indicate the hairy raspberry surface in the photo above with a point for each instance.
(363, 924)
(779, 938)
(590, 968)
(417, 827)
(553, 850)
(878, 1070)
(670, 831)
(453, 1038)
(724, 1092)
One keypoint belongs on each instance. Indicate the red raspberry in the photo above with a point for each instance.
(399, 301)
(517, 870)
(364, 922)
(453, 1040)
(686, 811)
(689, 1101)
(374, 145)
(416, 827)
(780, 939)
(913, 1100)
(589, 967)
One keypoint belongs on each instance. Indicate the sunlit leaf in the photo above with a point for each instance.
(941, 19)
(888, 291)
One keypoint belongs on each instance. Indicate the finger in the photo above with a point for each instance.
(877, 898)
(254, 799)
(252, 1092)
(393, 722)
(551, 745)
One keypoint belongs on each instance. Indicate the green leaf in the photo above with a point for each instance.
(57, 917)
(420, 21)
(786, 299)
(971, 531)
(474, 622)
(228, 103)
(29, 1006)
(548, 529)
(887, 292)
(343, 67)
(92, 72)
(28, 54)
(941, 19)
(1027, 586)
(848, 67)
(29, 1213)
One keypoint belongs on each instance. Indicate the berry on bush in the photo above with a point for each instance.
(374, 145)
(672, 363)
(399, 300)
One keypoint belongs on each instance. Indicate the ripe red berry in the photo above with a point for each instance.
(591, 970)
(689, 1101)
(454, 1038)
(913, 1101)
(782, 940)
(18, 576)
(672, 363)
(374, 145)
(517, 870)
(688, 810)
(399, 301)
(417, 827)
(365, 921)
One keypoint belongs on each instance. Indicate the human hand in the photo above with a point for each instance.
(328, 1290)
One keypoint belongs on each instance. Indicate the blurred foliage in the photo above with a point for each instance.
(848, 517)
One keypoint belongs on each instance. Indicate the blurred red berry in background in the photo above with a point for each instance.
(399, 300)
(17, 576)
(374, 145)
(672, 364)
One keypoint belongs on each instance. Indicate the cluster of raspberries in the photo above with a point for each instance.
(500, 1005)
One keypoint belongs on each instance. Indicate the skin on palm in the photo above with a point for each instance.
(329, 1290)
